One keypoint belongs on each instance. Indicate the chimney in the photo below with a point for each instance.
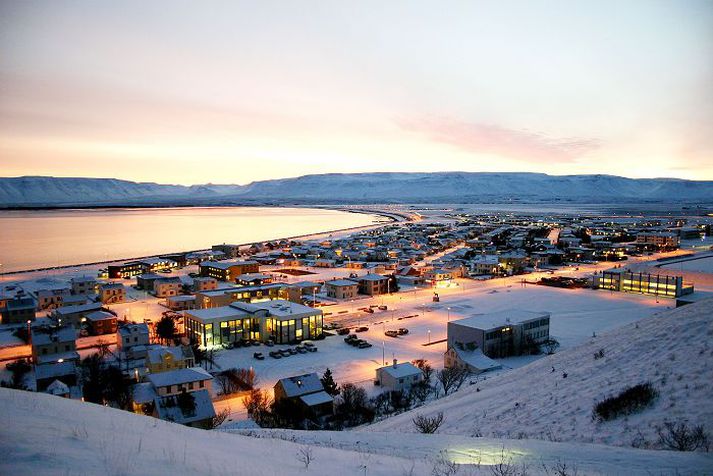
(395, 362)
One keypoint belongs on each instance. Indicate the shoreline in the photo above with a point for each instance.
(392, 216)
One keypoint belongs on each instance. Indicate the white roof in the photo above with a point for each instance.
(277, 308)
(500, 318)
(100, 316)
(203, 410)
(226, 264)
(318, 398)
(341, 283)
(58, 388)
(401, 370)
(180, 376)
(301, 385)
(217, 313)
(476, 359)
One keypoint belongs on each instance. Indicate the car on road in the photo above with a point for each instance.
(258, 356)
(403, 331)
(343, 331)
(276, 354)
(361, 329)
(363, 345)
(383, 308)
(391, 333)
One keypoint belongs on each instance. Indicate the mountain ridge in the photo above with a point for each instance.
(376, 187)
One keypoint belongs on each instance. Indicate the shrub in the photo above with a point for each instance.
(426, 424)
(628, 401)
(680, 437)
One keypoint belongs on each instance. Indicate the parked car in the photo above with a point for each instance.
(258, 356)
(350, 338)
(361, 329)
(369, 310)
(308, 344)
(391, 333)
(343, 331)
(383, 308)
(312, 349)
(403, 331)
(269, 343)
(301, 349)
(292, 351)
(364, 344)
(276, 354)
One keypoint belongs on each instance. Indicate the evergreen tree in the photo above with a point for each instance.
(166, 328)
(330, 386)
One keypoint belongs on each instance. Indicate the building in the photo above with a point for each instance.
(163, 392)
(437, 276)
(227, 270)
(134, 268)
(83, 285)
(74, 315)
(101, 322)
(500, 334)
(280, 321)
(46, 376)
(204, 284)
(341, 288)
(132, 335)
(398, 376)
(306, 391)
(112, 293)
(469, 357)
(53, 344)
(373, 284)
(658, 241)
(229, 251)
(18, 310)
(51, 298)
(253, 279)
(145, 281)
(662, 285)
(485, 265)
(164, 359)
(166, 287)
(181, 302)
(225, 296)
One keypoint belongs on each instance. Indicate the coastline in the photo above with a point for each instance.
(392, 216)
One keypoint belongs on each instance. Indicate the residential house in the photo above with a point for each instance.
(74, 315)
(112, 293)
(164, 359)
(373, 284)
(101, 322)
(83, 285)
(306, 391)
(341, 288)
(228, 270)
(53, 344)
(166, 287)
(469, 357)
(398, 376)
(181, 302)
(204, 284)
(18, 310)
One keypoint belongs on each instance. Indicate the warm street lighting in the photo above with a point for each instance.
(449, 314)
(429, 336)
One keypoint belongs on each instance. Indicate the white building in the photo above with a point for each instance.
(398, 376)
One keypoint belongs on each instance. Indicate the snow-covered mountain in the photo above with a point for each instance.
(672, 350)
(441, 187)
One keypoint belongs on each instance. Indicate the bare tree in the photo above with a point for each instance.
(220, 418)
(426, 424)
(679, 436)
(505, 466)
(442, 466)
(304, 455)
(425, 368)
(451, 378)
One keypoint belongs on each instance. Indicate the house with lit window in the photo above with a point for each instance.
(658, 240)
(225, 296)
(280, 321)
(83, 285)
(53, 344)
(204, 284)
(500, 334)
(437, 276)
(101, 322)
(74, 315)
(659, 285)
(133, 335)
(17, 310)
(227, 270)
(164, 359)
(306, 391)
(228, 250)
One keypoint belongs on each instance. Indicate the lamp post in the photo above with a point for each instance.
(29, 332)
(314, 296)
(429, 336)
(449, 314)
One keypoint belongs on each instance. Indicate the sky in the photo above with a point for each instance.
(233, 92)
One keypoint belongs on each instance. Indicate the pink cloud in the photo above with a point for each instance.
(501, 141)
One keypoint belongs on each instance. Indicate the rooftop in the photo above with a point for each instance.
(400, 370)
(301, 385)
(226, 264)
(500, 318)
(177, 377)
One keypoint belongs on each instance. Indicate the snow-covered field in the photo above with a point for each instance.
(701, 265)
(672, 350)
(46, 435)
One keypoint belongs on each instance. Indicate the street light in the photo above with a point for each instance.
(449, 314)
(429, 336)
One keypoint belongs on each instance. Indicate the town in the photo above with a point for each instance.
(270, 334)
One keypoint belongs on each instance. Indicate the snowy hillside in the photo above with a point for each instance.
(46, 435)
(444, 187)
(673, 351)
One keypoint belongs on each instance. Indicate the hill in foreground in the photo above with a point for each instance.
(672, 350)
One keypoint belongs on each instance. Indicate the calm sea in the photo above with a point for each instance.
(38, 239)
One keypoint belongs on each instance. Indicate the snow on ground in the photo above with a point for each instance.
(46, 435)
(485, 452)
(672, 350)
(700, 265)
